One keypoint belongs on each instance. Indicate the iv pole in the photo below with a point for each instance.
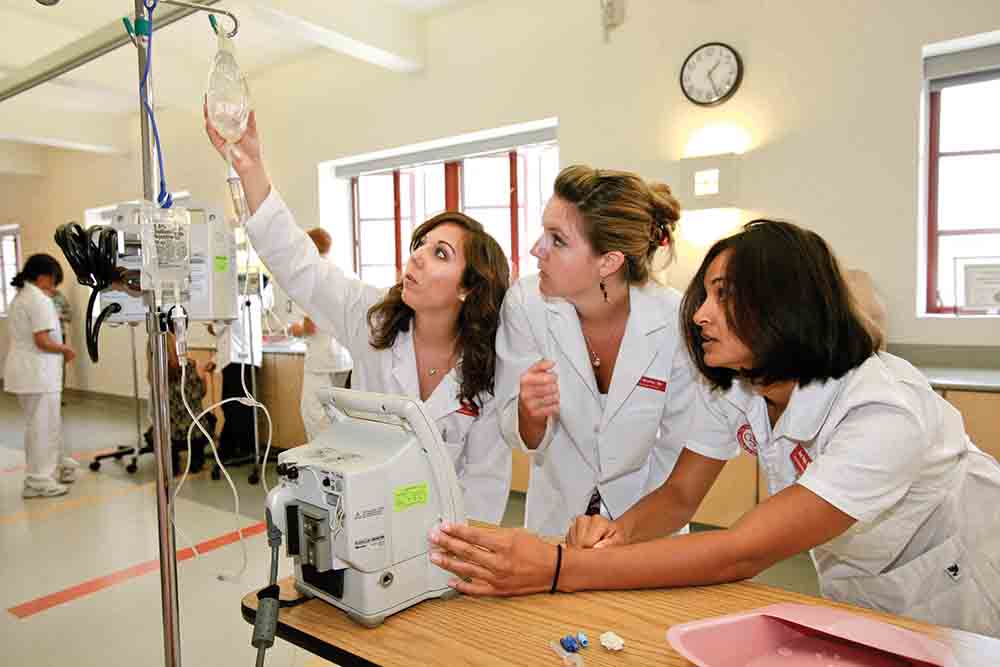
(156, 324)
(155, 318)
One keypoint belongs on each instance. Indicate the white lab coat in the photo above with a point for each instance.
(340, 305)
(882, 447)
(36, 377)
(656, 404)
(29, 370)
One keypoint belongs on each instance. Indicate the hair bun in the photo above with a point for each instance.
(665, 206)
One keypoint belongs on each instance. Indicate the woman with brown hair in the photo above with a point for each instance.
(868, 468)
(430, 336)
(593, 380)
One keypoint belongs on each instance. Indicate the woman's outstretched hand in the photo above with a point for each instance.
(247, 159)
(246, 152)
(494, 561)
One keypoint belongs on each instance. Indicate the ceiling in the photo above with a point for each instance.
(386, 33)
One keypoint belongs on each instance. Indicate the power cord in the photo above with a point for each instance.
(93, 256)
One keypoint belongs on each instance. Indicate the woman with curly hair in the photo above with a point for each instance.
(430, 336)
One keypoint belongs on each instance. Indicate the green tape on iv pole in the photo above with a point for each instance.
(142, 27)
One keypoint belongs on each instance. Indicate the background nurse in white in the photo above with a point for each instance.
(428, 337)
(327, 362)
(593, 381)
(33, 370)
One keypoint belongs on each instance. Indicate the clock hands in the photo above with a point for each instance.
(711, 80)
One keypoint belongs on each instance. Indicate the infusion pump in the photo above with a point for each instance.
(202, 262)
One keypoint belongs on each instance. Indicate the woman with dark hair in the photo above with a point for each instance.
(593, 380)
(33, 370)
(430, 336)
(867, 466)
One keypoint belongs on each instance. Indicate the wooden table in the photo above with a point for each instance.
(486, 631)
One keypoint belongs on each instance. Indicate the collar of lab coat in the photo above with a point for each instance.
(807, 410)
(647, 315)
(444, 399)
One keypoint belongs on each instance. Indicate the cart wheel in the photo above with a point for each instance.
(95, 465)
(131, 468)
(216, 474)
(253, 478)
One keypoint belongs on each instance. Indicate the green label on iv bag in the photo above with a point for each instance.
(408, 496)
(221, 264)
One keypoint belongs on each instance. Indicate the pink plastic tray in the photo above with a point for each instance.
(798, 635)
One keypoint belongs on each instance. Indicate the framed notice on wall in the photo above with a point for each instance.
(977, 285)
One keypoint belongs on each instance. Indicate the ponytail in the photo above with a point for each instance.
(38, 265)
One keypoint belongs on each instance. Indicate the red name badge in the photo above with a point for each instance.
(652, 383)
(469, 410)
(746, 439)
(800, 459)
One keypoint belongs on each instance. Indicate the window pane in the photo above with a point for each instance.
(497, 224)
(421, 198)
(376, 194)
(380, 275)
(432, 180)
(541, 169)
(950, 247)
(486, 181)
(967, 192)
(378, 242)
(969, 117)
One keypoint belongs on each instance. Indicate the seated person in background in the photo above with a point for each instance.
(867, 467)
(180, 419)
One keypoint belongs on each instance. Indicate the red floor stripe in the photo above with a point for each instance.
(100, 583)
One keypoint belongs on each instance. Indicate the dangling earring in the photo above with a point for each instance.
(605, 290)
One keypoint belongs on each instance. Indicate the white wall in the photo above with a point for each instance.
(831, 99)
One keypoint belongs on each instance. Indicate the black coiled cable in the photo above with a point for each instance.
(92, 254)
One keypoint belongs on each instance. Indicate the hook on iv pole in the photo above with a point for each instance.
(210, 10)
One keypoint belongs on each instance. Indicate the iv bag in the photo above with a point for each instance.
(228, 96)
(166, 248)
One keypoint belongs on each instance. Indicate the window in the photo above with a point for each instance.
(963, 170)
(10, 261)
(505, 191)
(501, 177)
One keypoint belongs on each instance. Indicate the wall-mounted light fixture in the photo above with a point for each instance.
(709, 182)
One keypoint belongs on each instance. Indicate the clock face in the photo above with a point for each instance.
(711, 74)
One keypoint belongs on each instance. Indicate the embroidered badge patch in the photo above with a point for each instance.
(746, 439)
(800, 459)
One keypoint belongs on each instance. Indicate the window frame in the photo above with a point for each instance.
(454, 199)
(12, 230)
(933, 304)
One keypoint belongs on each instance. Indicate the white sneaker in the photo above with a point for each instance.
(44, 489)
(67, 470)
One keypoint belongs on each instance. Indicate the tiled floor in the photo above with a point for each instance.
(63, 547)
